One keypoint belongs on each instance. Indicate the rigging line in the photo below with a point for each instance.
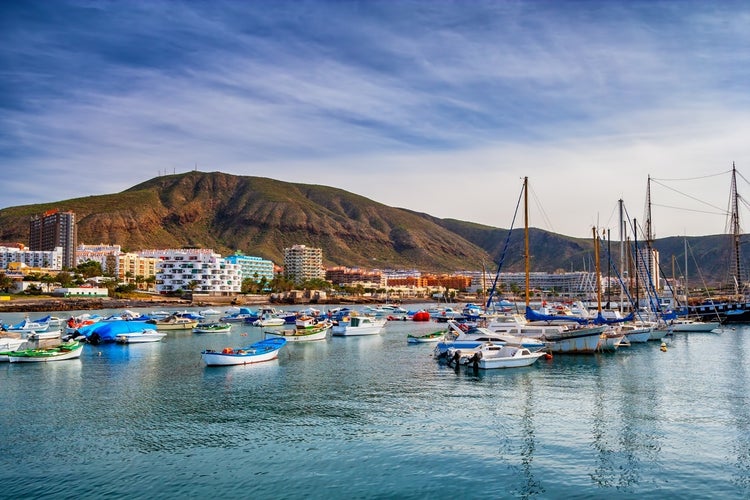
(743, 177)
(693, 178)
(502, 256)
(698, 269)
(538, 205)
(724, 212)
(687, 195)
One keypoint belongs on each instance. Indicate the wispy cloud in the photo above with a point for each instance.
(439, 107)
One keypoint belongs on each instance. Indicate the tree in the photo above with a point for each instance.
(89, 269)
(316, 284)
(48, 280)
(252, 285)
(64, 278)
(111, 285)
(111, 264)
(6, 282)
(280, 283)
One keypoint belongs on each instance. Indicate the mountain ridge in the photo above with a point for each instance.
(261, 216)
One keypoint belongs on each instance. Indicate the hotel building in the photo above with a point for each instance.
(199, 270)
(254, 268)
(54, 229)
(37, 259)
(302, 263)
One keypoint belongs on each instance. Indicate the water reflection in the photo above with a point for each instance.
(739, 406)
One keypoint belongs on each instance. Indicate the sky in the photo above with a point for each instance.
(435, 106)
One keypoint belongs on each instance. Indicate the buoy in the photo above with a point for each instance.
(663, 347)
(548, 356)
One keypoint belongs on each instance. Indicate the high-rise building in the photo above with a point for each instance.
(303, 263)
(54, 229)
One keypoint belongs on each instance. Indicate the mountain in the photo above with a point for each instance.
(261, 216)
(257, 216)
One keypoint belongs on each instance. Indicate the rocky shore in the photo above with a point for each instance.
(45, 304)
(39, 305)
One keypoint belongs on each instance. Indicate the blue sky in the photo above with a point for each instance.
(435, 106)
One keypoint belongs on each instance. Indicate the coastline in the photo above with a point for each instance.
(49, 304)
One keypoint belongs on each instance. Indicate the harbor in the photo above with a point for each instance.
(376, 416)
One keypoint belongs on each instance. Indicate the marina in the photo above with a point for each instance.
(375, 416)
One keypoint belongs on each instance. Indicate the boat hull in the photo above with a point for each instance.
(358, 326)
(510, 362)
(425, 339)
(299, 335)
(639, 337)
(187, 325)
(259, 352)
(584, 341)
(38, 356)
(693, 327)
(139, 338)
(355, 332)
(213, 329)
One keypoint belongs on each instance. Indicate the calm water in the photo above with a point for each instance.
(374, 417)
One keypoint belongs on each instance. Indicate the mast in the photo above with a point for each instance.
(609, 275)
(598, 271)
(649, 228)
(735, 224)
(622, 249)
(526, 234)
(685, 285)
(637, 270)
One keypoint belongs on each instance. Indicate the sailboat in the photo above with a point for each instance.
(578, 337)
(736, 310)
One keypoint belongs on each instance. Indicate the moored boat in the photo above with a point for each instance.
(264, 350)
(71, 350)
(426, 338)
(358, 325)
(9, 344)
(213, 327)
(490, 356)
(269, 321)
(30, 326)
(301, 334)
(175, 323)
(146, 335)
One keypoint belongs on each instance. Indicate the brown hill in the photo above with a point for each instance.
(258, 216)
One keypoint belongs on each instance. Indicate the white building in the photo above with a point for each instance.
(106, 255)
(200, 270)
(45, 259)
(303, 263)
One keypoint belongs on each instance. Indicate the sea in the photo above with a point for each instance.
(376, 417)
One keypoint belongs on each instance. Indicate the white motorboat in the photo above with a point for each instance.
(490, 356)
(358, 325)
(148, 335)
